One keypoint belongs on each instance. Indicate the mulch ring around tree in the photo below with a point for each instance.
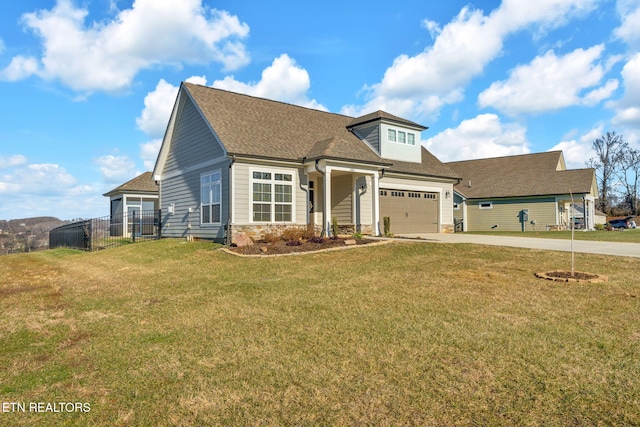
(577, 276)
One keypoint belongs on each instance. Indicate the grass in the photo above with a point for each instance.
(174, 333)
(629, 236)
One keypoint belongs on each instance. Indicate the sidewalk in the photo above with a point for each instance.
(580, 246)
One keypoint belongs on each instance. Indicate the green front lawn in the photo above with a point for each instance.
(175, 333)
(629, 236)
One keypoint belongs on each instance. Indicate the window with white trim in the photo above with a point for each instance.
(211, 198)
(272, 196)
(486, 205)
(401, 137)
(456, 206)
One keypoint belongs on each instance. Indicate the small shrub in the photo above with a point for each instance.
(309, 232)
(270, 237)
(291, 234)
(599, 227)
(356, 235)
(387, 226)
(334, 226)
(316, 239)
(294, 243)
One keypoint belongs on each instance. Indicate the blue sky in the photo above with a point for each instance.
(86, 87)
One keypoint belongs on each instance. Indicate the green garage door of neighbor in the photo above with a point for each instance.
(410, 211)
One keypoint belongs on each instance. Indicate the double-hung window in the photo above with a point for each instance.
(272, 197)
(210, 198)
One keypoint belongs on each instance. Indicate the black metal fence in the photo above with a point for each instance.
(107, 231)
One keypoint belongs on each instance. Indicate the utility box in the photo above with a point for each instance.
(524, 218)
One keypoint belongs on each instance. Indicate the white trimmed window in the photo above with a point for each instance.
(211, 198)
(456, 206)
(272, 196)
(402, 137)
(486, 205)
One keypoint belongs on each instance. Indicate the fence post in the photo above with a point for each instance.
(159, 222)
(133, 227)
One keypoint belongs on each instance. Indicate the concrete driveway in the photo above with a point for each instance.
(579, 246)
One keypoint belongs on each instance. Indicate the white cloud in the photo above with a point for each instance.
(578, 152)
(149, 153)
(481, 137)
(629, 11)
(158, 106)
(36, 179)
(116, 169)
(157, 109)
(15, 160)
(423, 83)
(551, 82)
(108, 55)
(628, 108)
(283, 80)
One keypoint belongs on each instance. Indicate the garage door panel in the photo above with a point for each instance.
(410, 211)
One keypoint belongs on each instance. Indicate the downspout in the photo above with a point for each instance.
(229, 237)
(324, 212)
(306, 190)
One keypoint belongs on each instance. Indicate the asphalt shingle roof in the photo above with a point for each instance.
(142, 183)
(256, 127)
(518, 176)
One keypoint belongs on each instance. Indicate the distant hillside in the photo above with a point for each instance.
(27, 221)
(26, 234)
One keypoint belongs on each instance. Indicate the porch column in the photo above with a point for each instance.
(375, 213)
(326, 189)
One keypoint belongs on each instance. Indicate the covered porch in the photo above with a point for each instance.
(345, 193)
(577, 211)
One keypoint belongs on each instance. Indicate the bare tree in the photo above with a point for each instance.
(629, 175)
(610, 150)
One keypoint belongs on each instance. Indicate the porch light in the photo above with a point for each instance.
(447, 194)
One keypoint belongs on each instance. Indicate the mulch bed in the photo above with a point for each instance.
(577, 276)
(281, 247)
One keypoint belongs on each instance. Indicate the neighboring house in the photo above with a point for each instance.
(139, 195)
(525, 192)
(601, 217)
(251, 165)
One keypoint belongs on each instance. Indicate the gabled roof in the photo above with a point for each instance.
(142, 183)
(248, 126)
(520, 176)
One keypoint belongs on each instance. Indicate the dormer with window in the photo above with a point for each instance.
(390, 136)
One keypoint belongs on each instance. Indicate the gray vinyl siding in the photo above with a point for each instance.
(505, 214)
(364, 202)
(242, 189)
(341, 199)
(184, 192)
(192, 144)
(372, 135)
